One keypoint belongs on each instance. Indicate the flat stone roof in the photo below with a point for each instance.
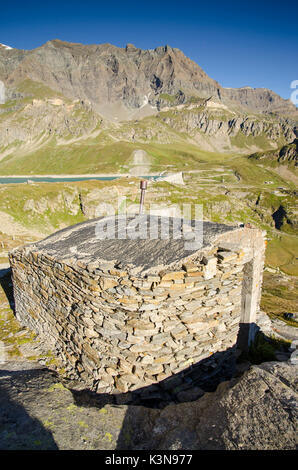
(126, 242)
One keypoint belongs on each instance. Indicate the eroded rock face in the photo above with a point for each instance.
(199, 121)
(289, 153)
(47, 117)
(258, 99)
(107, 74)
(171, 96)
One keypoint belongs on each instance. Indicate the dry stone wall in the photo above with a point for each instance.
(120, 331)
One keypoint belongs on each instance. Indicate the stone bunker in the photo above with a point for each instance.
(133, 315)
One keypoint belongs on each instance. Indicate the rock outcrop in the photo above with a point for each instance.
(256, 412)
(229, 128)
(258, 99)
(286, 155)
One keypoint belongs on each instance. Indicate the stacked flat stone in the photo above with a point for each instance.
(123, 327)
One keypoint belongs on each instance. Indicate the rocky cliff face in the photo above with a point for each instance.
(44, 118)
(107, 75)
(289, 153)
(258, 100)
(229, 125)
(213, 127)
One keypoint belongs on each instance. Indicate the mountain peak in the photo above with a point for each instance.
(131, 47)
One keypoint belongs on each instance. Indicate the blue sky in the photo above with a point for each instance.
(251, 43)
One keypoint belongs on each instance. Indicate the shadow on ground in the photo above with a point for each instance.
(6, 284)
(185, 386)
(19, 430)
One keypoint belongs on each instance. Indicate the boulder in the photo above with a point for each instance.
(257, 411)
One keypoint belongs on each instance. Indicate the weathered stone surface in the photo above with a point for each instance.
(190, 267)
(210, 266)
(77, 242)
(107, 283)
(172, 276)
(193, 275)
(226, 256)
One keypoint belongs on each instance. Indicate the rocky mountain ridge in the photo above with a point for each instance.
(108, 76)
(287, 154)
(35, 115)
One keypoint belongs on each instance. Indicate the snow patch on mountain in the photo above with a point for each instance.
(2, 93)
(5, 47)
